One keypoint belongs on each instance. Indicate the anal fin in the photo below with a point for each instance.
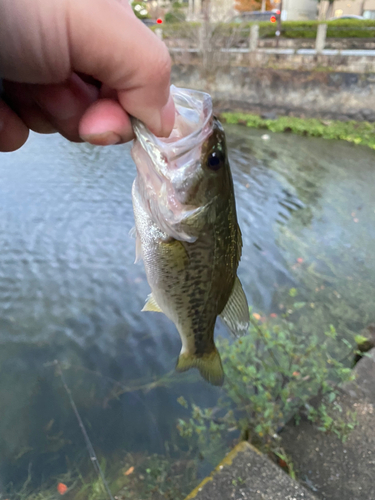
(151, 305)
(235, 314)
(209, 366)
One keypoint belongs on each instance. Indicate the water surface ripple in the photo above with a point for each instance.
(69, 288)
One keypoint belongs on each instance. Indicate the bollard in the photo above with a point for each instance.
(202, 41)
(321, 36)
(254, 37)
(159, 33)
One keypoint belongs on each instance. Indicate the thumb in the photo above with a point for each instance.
(108, 42)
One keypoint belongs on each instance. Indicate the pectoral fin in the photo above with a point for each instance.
(236, 312)
(151, 305)
(209, 366)
(138, 247)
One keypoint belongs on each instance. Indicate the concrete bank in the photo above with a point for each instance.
(334, 469)
(326, 466)
(323, 86)
(246, 474)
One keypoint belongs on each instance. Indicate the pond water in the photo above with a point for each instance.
(70, 291)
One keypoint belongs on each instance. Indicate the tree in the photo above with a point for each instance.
(249, 5)
(329, 11)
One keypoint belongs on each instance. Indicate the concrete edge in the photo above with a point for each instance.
(227, 460)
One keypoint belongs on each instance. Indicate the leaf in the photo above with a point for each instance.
(299, 305)
(182, 401)
(331, 397)
(347, 343)
(293, 292)
(360, 339)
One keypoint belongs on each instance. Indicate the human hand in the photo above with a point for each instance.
(80, 67)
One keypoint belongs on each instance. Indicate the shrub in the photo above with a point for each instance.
(174, 16)
(271, 373)
(139, 7)
(346, 28)
(179, 30)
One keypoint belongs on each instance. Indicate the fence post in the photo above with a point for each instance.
(254, 37)
(159, 33)
(321, 36)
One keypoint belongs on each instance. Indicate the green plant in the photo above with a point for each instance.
(271, 374)
(172, 30)
(176, 15)
(345, 28)
(132, 476)
(330, 419)
(356, 132)
(285, 462)
(140, 10)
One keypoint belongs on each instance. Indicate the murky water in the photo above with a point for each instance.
(69, 288)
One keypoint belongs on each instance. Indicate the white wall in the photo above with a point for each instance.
(299, 10)
(347, 7)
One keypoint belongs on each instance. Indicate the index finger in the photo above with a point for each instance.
(107, 41)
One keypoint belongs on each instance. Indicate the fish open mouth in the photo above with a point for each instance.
(193, 124)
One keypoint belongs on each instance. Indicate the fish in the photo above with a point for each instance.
(187, 231)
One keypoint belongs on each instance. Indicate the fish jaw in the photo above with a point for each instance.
(165, 190)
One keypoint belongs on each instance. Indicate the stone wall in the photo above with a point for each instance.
(313, 86)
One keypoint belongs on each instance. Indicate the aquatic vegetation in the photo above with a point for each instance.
(362, 133)
(271, 375)
(133, 476)
(157, 477)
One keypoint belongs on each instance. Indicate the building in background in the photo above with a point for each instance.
(365, 8)
(292, 10)
(220, 10)
(299, 10)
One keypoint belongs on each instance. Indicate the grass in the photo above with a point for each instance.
(362, 133)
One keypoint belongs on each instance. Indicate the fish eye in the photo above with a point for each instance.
(215, 160)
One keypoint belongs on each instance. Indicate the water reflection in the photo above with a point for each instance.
(69, 288)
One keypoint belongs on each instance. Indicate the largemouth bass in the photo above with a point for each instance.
(187, 231)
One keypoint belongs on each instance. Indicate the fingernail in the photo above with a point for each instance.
(167, 117)
(105, 139)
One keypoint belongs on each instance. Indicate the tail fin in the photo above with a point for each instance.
(209, 366)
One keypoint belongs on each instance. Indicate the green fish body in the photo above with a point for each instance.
(187, 231)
